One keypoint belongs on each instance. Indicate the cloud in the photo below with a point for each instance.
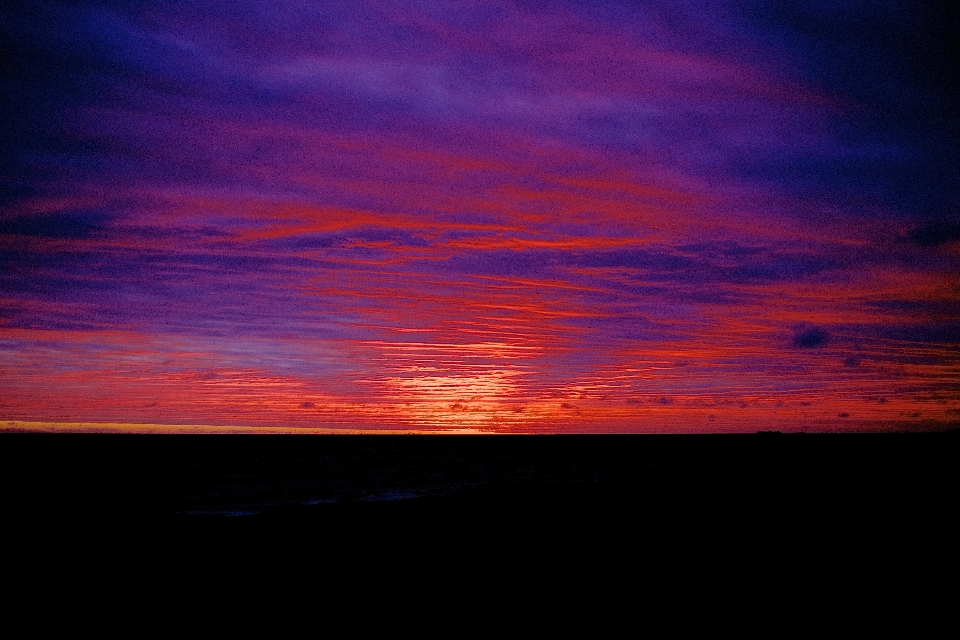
(809, 337)
(52, 225)
(935, 234)
(623, 196)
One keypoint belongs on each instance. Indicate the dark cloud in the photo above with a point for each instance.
(809, 337)
(932, 309)
(935, 234)
(933, 332)
(704, 263)
(54, 225)
(498, 262)
(307, 405)
(640, 259)
(782, 267)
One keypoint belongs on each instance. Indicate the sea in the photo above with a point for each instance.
(330, 477)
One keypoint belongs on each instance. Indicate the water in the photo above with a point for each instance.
(98, 476)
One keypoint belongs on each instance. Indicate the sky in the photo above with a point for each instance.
(511, 216)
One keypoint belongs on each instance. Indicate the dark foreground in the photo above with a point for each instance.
(658, 482)
(720, 531)
(757, 518)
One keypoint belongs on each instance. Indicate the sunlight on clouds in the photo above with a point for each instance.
(474, 384)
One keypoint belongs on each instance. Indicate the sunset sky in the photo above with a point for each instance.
(519, 216)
